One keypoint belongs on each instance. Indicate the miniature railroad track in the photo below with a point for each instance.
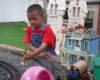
(14, 74)
(13, 58)
(43, 63)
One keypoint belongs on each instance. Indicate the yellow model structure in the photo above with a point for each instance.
(24, 52)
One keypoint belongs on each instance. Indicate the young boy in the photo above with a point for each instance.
(39, 36)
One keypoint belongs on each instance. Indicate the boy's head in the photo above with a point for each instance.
(35, 7)
(35, 15)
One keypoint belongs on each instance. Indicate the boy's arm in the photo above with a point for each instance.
(43, 54)
(36, 52)
(31, 47)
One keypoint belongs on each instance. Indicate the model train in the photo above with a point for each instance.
(78, 71)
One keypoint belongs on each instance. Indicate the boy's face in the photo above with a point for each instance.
(35, 19)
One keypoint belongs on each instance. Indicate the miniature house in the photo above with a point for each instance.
(81, 46)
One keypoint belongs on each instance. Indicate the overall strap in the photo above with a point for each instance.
(42, 27)
(32, 28)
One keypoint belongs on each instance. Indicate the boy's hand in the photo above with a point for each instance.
(28, 56)
(46, 54)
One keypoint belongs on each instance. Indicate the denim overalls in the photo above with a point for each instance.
(37, 39)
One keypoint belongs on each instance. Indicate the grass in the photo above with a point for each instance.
(13, 34)
(62, 56)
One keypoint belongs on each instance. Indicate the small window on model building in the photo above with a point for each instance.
(70, 57)
(86, 45)
(69, 43)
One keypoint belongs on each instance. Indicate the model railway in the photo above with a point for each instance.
(9, 72)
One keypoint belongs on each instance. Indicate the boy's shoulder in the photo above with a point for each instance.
(47, 27)
(29, 27)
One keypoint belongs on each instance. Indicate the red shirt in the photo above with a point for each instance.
(49, 36)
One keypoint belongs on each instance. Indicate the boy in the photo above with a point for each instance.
(39, 36)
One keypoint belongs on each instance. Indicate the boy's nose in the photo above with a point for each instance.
(32, 22)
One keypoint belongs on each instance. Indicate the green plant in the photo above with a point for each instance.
(88, 14)
(48, 1)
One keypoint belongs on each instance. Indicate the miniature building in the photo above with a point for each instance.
(76, 13)
(81, 46)
(94, 7)
(55, 11)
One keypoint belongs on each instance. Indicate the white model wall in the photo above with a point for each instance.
(13, 10)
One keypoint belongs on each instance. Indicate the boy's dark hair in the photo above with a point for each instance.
(35, 7)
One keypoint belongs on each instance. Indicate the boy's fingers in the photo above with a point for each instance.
(47, 56)
(26, 58)
(27, 54)
(43, 55)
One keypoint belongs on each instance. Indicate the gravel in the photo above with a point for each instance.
(14, 58)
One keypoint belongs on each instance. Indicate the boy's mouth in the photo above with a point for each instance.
(33, 25)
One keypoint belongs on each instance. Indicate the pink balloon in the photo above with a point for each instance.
(37, 73)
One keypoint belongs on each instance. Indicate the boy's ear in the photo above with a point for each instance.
(43, 16)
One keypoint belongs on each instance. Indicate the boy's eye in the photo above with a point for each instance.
(34, 18)
(29, 19)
